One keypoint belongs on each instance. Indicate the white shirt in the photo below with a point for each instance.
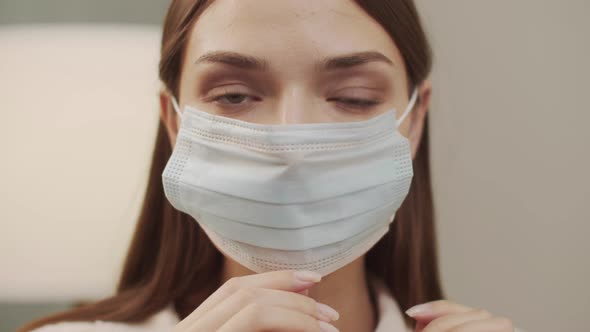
(390, 319)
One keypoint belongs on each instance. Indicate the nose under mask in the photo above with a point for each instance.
(311, 196)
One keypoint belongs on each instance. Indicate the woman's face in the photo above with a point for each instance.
(292, 61)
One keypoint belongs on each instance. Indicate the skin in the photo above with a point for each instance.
(294, 38)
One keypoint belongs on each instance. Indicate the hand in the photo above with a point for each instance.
(445, 316)
(272, 301)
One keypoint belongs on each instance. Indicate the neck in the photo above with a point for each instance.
(344, 290)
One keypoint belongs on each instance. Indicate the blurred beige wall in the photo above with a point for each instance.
(79, 114)
(511, 156)
(509, 151)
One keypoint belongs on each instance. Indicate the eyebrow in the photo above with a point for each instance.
(353, 60)
(244, 61)
(233, 59)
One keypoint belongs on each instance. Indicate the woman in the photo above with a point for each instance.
(281, 164)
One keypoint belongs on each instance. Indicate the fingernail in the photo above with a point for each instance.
(327, 327)
(419, 309)
(327, 312)
(308, 276)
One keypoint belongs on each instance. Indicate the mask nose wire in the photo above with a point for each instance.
(409, 107)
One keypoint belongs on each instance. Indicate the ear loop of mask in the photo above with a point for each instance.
(175, 105)
(409, 108)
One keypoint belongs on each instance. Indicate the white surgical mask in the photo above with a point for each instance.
(311, 196)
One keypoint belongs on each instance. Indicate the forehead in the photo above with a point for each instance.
(289, 32)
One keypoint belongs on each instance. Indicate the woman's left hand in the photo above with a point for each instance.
(445, 316)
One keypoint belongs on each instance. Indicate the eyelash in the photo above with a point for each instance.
(351, 102)
(221, 96)
(357, 102)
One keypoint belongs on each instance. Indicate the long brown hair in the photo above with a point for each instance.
(172, 261)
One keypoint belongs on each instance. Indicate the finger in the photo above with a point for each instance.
(427, 312)
(287, 280)
(216, 317)
(256, 317)
(446, 323)
(304, 292)
(495, 324)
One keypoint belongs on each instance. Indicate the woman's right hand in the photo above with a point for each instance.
(271, 301)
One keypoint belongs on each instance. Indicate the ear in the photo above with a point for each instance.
(418, 116)
(168, 116)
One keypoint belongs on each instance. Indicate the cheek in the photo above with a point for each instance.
(172, 138)
(172, 130)
(404, 129)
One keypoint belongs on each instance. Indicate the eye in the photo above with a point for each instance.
(356, 102)
(233, 99)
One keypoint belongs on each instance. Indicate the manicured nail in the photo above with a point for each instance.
(327, 327)
(308, 276)
(327, 313)
(419, 309)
